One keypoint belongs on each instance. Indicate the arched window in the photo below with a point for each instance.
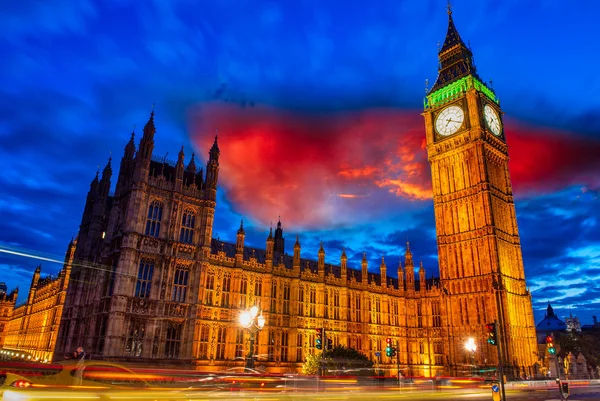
(154, 218)
(188, 222)
(173, 340)
(180, 284)
(144, 280)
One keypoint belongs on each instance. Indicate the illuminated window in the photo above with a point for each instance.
(221, 343)
(203, 343)
(173, 339)
(435, 312)
(299, 356)
(243, 292)
(336, 305)
(258, 287)
(154, 218)
(301, 301)
(188, 222)
(312, 302)
(284, 346)
(271, 345)
(286, 299)
(135, 338)
(209, 290)
(357, 306)
(239, 344)
(226, 290)
(274, 297)
(180, 281)
(144, 281)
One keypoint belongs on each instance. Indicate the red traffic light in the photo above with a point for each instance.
(319, 332)
(388, 340)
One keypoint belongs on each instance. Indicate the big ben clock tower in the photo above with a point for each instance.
(481, 267)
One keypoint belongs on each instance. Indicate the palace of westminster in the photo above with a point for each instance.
(145, 281)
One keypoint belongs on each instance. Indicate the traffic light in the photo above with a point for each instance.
(550, 345)
(492, 334)
(388, 347)
(319, 339)
(393, 351)
(329, 344)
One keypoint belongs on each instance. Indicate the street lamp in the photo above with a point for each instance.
(471, 347)
(253, 322)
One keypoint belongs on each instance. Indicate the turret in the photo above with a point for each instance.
(422, 282)
(104, 185)
(409, 269)
(239, 244)
(147, 141)
(383, 273)
(126, 168)
(36, 276)
(279, 240)
(400, 277)
(34, 283)
(297, 249)
(89, 202)
(144, 154)
(269, 250)
(212, 172)
(321, 261)
(344, 265)
(68, 265)
(365, 269)
(179, 168)
(191, 167)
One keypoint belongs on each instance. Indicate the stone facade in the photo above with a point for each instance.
(32, 327)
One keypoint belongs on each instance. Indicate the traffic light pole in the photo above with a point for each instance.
(398, 362)
(500, 362)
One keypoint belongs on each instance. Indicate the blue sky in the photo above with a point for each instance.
(76, 77)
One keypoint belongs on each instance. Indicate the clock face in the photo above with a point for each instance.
(492, 120)
(449, 120)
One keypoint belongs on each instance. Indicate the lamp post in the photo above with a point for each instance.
(471, 347)
(253, 322)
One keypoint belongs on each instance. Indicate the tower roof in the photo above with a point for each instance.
(455, 58)
(149, 128)
(452, 36)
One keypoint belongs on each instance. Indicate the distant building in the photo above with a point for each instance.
(573, 324)
(550, 325)
(32, 327)
(593, 328)
(3, 288)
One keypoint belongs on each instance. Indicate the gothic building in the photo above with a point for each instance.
(32, 327)
(151, 284)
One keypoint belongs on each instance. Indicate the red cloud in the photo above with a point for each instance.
(545, 159)
(315, 169)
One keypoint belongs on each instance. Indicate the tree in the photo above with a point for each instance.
(345, 360)
(311, 365)
(340, 360)
(576, 343)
